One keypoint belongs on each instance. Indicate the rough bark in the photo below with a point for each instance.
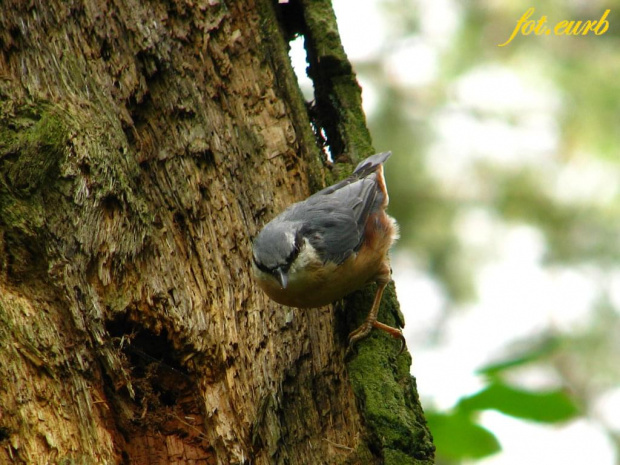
(142, 146)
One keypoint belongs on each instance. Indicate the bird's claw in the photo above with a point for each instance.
(364, 330)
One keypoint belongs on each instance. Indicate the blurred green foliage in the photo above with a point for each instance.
(581, 73)
(457, 436)
(543, 406)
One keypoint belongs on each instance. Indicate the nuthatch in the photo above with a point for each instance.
(333, 243)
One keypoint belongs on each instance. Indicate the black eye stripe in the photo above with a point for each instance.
(268, 270)
(296, 248)
(294, 252)
(261, 267)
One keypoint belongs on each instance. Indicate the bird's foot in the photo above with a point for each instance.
(364, 330)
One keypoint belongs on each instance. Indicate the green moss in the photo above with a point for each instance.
(387, 395)
(396, 457)
(337, 93)
(385, 389)
(32, 141)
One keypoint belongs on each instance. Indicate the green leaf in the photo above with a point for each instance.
(456, 437)
(540, 350)
(545, 406)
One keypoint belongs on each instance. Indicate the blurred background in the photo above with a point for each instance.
(505, 181)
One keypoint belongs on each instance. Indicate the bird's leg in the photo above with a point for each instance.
(371, 320)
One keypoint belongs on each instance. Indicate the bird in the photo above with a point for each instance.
(331, 244)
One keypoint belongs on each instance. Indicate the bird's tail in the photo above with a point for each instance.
(370, 164)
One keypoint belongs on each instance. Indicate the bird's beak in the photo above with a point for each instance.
(282, 277)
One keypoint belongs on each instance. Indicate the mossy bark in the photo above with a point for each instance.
(142, 146)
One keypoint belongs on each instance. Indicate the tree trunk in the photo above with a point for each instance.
(142, 147)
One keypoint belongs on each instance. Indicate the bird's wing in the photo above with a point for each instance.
(364, 168)
(334, 221)
(334, 218)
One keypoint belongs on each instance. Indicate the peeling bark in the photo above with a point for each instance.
(142, 146)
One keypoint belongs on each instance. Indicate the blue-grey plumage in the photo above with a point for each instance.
(331, 244)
